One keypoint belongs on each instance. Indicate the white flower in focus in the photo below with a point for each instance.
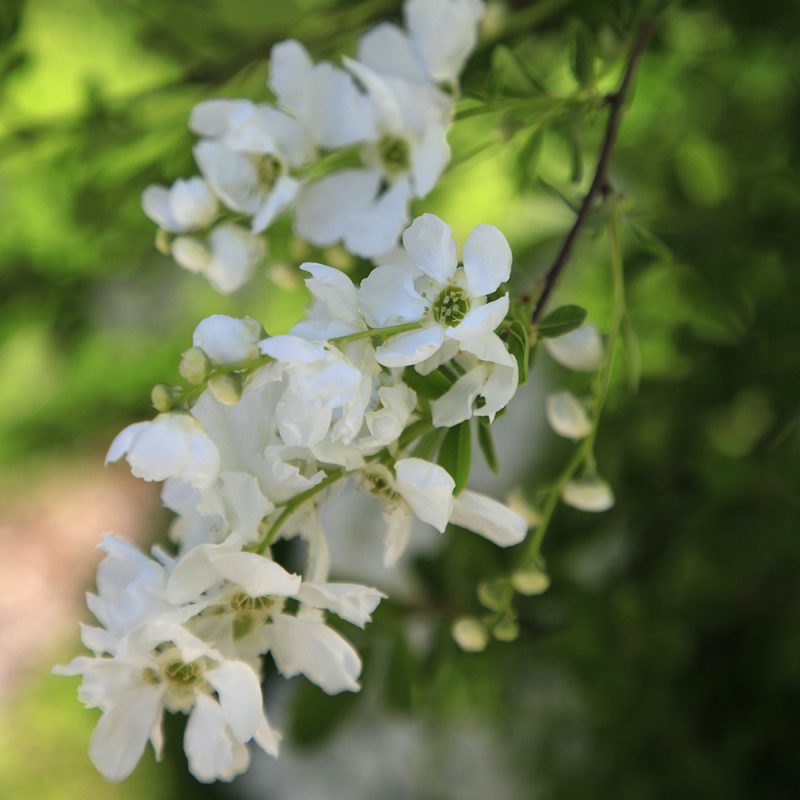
(227, 257)
(581, 349)
(590, 493)
(172, 445)
(567, 415)
(449, 299)
(417, 487)
(161, 666)
(227, 340)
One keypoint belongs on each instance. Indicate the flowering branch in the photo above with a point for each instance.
(599, 186)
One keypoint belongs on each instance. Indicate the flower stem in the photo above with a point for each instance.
(377, 333)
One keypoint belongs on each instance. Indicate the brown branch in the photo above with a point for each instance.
(599, 185)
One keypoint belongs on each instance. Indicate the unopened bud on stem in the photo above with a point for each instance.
(226, 388)
(195, 366)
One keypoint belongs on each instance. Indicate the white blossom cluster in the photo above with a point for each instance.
(344, 148)
(251, 452)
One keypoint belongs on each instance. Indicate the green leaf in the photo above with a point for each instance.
(528, 159)
(486, 443)
(455, 454)
(583, 55)
(430, 444)
(508, 77)
(429, 386)
(561, 321)
(516, 336)
(400, 675)
(633, 354)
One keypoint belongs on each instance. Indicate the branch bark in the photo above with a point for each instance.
(599, 185)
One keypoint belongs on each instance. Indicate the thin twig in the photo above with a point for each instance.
(599, 185)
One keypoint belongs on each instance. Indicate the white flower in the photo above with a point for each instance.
(228, 256)
(161, 665)
(186, 206)
(441, 35)
(323, 98)
(567, 415)
(368, 208)
(227, 340)
(172, 445)
(417, 487)
(590, 493)
(581, 349)
(248, 616)
(449, 300)
(248, 155)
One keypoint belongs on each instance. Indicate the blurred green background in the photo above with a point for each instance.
(665, 659)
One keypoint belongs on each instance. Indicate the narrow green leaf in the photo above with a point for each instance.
(518, 343)
(455, 454)
(508, 77)
(430, 444)
(633, 354)
(583, 55)
(486, 443)
(561, 321)
(428, 386)
(528, 159)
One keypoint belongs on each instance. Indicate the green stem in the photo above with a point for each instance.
(377, 333)
(585, 451)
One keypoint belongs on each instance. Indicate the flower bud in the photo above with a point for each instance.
(195, 366)
(226, 388)
(506, 630)
(162, 397)
(470, 634)
(530, 580)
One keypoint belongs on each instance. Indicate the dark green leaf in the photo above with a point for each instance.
(486, 443)
(583, 55)
(428, 386)
(561, 321)
(400, 675)
(429, 445)
(508, 77)
(528, 158)
(455, 454)
(516, 336)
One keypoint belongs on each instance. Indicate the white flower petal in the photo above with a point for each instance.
(256, 574)
(235, 253)
(206, 741)
(500, 387)
(487, 260)
(588, 494)
(240, 698)
(457, 404)
(581, 349)
(192, 575)
(290, 68)
(492, 520)
(387, 297)
(429, 157)
(398, 521)
(480, 320)
(301, 423)
(567, 415)
(120, 737)
(411, 347)
(233, 176)
(280, 198)
(227, 340)
(311, 648)
(427, 488)
(292, 349)
(430, 243)
(267, 738)
(377, 227)
(489, 347)
(324, 208)
(380, 92)
(349, 601)
(334, 290)
(387, 49)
